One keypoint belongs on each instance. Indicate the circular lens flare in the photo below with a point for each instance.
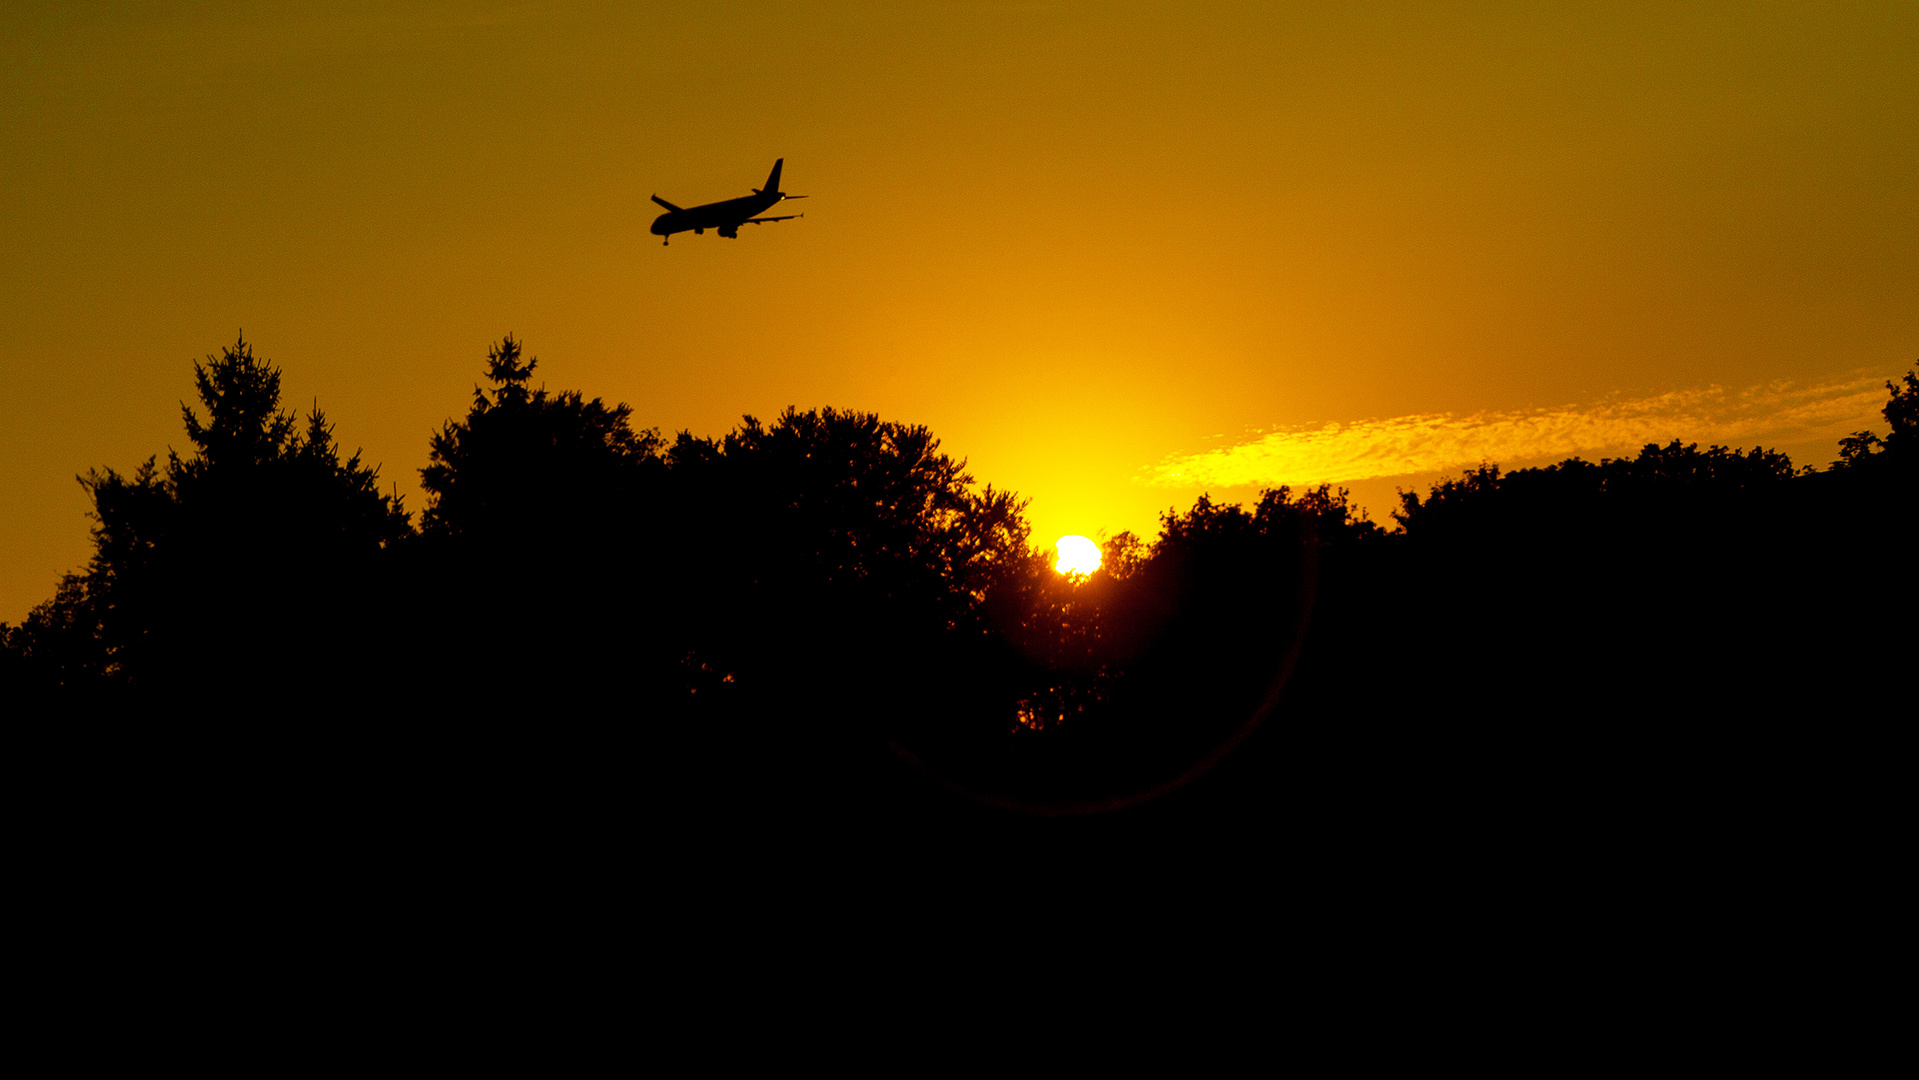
(1077, 555)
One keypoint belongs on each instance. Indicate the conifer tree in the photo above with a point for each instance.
(223, 572)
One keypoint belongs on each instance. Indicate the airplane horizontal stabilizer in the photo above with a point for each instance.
(666, 204)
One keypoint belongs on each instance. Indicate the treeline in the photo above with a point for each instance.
(827, 612)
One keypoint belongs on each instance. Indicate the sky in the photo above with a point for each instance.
(1113, 254)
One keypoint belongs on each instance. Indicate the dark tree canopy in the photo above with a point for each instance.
(539, 546)
(1679, 477)
(522, 456)
(1864, 448)
(237, 568)
(822, 625)
(859, 500)
(829, 543)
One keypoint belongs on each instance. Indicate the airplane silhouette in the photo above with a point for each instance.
(726, 216)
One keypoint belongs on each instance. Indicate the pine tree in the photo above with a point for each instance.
(233, 571)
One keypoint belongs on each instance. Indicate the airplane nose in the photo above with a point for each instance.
(659, 225)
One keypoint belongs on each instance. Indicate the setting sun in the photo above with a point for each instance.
(1077, 555)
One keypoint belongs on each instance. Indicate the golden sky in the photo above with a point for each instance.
(1114, 254)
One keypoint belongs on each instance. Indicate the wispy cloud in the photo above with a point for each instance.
(1438, 442)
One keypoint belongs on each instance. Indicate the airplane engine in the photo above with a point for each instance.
(730, 232)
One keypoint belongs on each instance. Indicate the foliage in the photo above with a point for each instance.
(869, 501)
(521, 456)
(830, 538)
(1902, 415)
(538, 551)
(1676, 471)
(57, 649)
(1149, 666)
(202, 575)
(761, 620)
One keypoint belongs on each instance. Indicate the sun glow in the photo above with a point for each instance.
(1077, 555)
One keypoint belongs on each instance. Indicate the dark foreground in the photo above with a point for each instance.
(752, 671)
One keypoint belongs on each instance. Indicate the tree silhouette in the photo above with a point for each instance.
(522, 455)
(1863, 448)
(241, 570)
(783, 631)
(538, 550)
(1139, 677)
(833, 532)
(56, 655)
(833, 572)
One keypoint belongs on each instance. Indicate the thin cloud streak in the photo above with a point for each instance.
(1438, 442)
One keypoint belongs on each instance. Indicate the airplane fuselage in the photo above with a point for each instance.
(724, 216)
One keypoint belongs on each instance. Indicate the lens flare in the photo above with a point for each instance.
(1077, 555)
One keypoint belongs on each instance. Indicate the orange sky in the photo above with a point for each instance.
(1099, 248)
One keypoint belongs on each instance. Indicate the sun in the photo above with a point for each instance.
(1077, 555)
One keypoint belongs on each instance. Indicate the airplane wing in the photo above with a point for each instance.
(764, 220)
(666, 204)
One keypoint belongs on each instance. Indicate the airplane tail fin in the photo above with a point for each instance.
(772, 179)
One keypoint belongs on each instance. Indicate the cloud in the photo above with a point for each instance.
(1440, 442)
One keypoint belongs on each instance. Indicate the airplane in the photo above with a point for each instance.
(728, 216)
